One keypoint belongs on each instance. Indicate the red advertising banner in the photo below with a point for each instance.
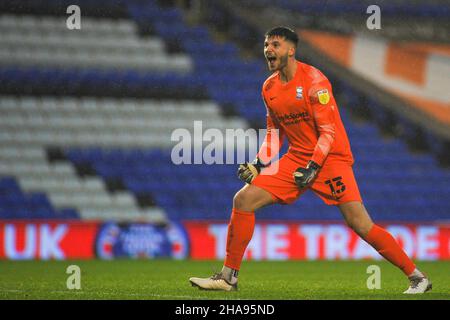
(22, 240)
(315, 241)
(45, 240)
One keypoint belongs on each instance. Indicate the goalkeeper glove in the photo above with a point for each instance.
(304, 176)
(249, 170)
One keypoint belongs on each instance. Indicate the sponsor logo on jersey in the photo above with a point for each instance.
(292, 118)
(323, 96)
(299, 91)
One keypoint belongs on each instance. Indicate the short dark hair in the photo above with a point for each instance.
(287, 33)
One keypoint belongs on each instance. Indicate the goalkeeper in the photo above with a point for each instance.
(301, 107)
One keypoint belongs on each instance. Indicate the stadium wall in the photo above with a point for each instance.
(272, 240)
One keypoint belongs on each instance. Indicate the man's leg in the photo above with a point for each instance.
(357, 218)
(242, 224)
(240, 232)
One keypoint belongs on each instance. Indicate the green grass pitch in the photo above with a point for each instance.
(168, 279)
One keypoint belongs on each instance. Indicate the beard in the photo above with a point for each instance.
(279, 63)
(283, 61)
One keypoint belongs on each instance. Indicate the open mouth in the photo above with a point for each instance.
(271, 59)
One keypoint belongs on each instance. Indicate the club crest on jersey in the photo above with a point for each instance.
(299, 91)
(323, 96)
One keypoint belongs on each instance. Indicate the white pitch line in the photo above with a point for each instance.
(132, 294)
(110, 293)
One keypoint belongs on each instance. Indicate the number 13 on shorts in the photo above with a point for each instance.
(336, 185)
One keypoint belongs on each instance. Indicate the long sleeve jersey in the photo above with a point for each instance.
(305, 112)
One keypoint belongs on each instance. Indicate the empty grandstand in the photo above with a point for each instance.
(87, 115)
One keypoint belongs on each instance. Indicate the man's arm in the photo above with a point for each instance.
(272, 141)
(323, 106)
(269, 149)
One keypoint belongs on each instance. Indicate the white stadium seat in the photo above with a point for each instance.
(100, 43)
